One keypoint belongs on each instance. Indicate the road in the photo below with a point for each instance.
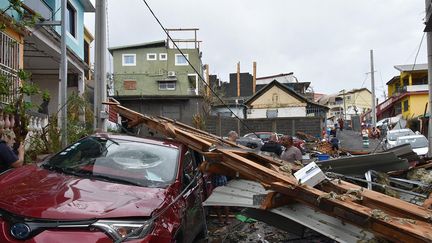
(352, 140)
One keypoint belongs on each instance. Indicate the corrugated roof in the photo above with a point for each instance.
(159, 43)
(411, 67)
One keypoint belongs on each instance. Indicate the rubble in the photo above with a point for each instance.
(377, 212)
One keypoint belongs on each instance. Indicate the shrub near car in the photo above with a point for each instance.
(104, 189)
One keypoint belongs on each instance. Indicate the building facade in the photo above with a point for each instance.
(355, 101)
(407, 93)
(155, 79)
(41, 52)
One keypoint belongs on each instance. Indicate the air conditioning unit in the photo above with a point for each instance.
(171, 74)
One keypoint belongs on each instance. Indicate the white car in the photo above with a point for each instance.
(419, 143)
(392, 136)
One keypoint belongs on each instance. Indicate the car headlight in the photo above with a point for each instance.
(121, 230)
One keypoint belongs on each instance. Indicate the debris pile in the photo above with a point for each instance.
(376, 212)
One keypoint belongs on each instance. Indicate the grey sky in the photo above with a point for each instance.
(324, 42)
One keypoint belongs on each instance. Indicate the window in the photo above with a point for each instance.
(71, 19)
(272, 113)
(348, 97)
(167, 85)
(9, 65)
(129, 60)
(275, 98)
(129, 84)
(180, 60)
(193, 83)
(163, 56)
(405, 105)
(151, 56)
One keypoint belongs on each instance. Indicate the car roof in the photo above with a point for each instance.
(411, 136)
(149, 140)
(400, 130)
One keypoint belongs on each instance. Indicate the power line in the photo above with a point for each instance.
(418, 50)
(199, 75)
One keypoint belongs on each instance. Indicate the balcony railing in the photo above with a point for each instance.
(39, 6)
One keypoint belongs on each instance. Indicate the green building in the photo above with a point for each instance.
(155, 79)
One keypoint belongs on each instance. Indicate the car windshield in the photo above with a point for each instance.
(392, 136)
(417, 142)
(117, 160)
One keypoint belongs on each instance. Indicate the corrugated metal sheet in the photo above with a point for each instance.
(241, 193)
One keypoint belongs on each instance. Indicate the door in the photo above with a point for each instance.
(192, 180)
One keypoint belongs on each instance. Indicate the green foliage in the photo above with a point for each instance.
(46, 95)
(4, 85)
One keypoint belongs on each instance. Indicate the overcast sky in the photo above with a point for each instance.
(326, 43)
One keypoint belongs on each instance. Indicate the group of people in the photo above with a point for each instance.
(284, 149)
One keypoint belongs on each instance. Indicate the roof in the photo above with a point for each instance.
(159, 43)
(412, 67)
(356, 90)
(395, 78)
(284, 88)
(88, 6)
(276, 76)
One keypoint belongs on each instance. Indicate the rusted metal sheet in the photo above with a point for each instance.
(384, 216)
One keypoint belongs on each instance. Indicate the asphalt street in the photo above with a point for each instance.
(352, 140)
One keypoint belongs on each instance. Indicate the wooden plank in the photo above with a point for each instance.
(400, 221)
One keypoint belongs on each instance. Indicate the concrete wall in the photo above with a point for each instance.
(181, 109)
(222, 125)
(147, 73)
(76, 44)
(282, 112)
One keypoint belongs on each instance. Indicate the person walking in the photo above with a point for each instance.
(291, 153)
(8, 158)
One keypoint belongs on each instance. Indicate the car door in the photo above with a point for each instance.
(194, 217)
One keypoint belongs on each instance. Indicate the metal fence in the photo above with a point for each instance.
(9, 65)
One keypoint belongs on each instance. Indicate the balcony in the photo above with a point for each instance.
(416, 88)
(39, 6)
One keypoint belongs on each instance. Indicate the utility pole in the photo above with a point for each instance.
(344, 104)
(373, 90)
(429, 58)
(62, 118)
(100, 67)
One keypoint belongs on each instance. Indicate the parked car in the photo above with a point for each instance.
(392, 135)
(265, 136)
(419, 143)
(104, 189)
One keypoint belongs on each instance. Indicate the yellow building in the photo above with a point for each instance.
(355, 101)
(12, 47)
(408, 93)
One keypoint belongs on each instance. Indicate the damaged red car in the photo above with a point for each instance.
(106, 188)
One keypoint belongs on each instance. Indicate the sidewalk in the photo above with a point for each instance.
(352, 140)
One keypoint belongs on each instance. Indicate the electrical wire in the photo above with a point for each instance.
(199, 75)
(418, 50)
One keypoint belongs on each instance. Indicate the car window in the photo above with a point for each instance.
(189, 167)
(392, 136)
(418, 142)
(135, 162)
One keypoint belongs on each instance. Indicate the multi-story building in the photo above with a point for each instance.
(407, 93)
(154, 78)
(355, 101)
(36, 49)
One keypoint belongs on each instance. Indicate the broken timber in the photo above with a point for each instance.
(385, 216)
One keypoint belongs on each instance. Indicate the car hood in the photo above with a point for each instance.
(38, 193)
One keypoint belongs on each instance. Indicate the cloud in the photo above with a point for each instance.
(323, 42)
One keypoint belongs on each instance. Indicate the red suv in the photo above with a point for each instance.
(106, 188)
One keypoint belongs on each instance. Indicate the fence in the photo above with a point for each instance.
(220, 126)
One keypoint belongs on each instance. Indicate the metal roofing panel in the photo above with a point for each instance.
(240, 193)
